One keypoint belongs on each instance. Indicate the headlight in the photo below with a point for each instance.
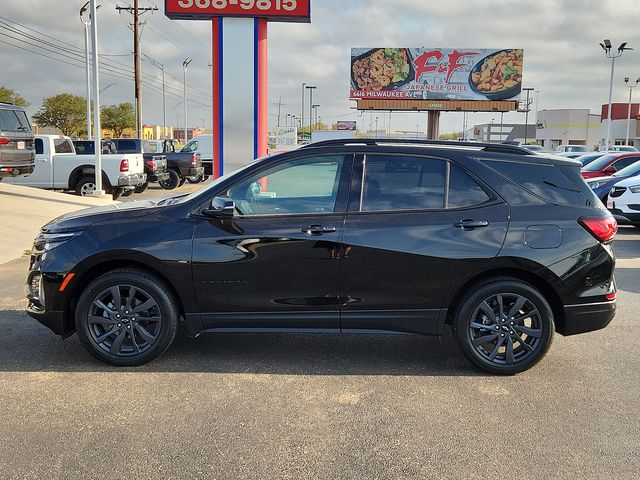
(45, 242)
(595, 185)
(635, 189)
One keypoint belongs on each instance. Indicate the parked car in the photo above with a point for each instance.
(202, 144)
(609, 164)
(624, 201)
(535, 148)
(58, 167)
(155, 163)
(17, 152)
(602, 185)
(621, 148)
(569, 154)
(572, 149)
(586, 159)
(505, 246)
(184, 165)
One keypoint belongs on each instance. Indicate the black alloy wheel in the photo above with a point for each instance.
(504, 326)
(141, 188)
(172, 182)
(126, 318)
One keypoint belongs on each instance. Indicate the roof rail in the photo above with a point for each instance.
(488, 147)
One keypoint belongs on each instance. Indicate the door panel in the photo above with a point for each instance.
(276, 264)
(412, 260)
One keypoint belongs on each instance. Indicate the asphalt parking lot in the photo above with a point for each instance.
(233, 406)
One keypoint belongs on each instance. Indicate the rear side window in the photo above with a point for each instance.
(126, 146)
(63, 145)
(10, 121)
(191, 147)
(417, 183)
(544, 181)
(625, 162)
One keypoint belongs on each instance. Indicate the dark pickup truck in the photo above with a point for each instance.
(17, 151)
(186, 165)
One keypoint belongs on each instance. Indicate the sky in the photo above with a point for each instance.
(563, 60)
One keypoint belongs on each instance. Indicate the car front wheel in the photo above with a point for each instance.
(505, 326)
(126, 317)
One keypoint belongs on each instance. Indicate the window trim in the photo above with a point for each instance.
(342, 195)
(361, 164)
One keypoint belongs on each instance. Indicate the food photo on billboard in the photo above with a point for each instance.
(436, 73)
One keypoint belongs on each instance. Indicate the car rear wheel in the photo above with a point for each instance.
(172, 182)
(505, 326)
(86, 186)
(126, 318)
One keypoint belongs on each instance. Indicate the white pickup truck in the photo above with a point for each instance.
(58, 167)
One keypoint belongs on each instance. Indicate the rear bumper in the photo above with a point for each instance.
(158, 177)
(132, 180)
(587, 317)
(17, 170)
(196, 171)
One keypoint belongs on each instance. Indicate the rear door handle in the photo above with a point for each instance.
(469, 224)
(318, 230)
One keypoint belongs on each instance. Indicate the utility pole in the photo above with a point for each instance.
(279, 104)
(137, 62)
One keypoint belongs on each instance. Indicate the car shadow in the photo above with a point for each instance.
(29, 347)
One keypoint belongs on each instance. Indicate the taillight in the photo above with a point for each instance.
(611, 296)
(124, 165)
(4, 141)
(194, 160)
(602, 228)
(152, 165)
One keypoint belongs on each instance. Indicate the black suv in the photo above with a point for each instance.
(365, 236)
(17, 152)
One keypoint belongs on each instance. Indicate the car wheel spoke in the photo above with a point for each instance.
(98, 303)
(485, 339)
(509, 351)
(530, 314)
(97, 320)
(117, 343)
(116, 298)
(106, 335)
(144, 333)
(131, 296)
(517, 307)
(494, 352)
(488, 311)
(143, 307)
(531, 332)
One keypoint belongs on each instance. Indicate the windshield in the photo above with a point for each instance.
(599, 164)
(630, 171)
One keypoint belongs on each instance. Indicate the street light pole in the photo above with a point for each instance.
(311, 89)
(630, 86)
(526, 114)
(86, 24)
(97, 130)
(185, 64)
(302, 109)
(606, 46)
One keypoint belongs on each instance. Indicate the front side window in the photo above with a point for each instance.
(625, 162)
(301, 186)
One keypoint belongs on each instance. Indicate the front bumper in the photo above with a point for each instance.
(625, 217)
(132, 179)
(587, 317)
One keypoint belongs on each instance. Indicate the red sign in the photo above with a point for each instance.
(275, 10)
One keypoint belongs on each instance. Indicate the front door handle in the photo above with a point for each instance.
(318, 230)
(469, 224)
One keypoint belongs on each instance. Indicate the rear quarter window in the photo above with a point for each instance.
(543, 181)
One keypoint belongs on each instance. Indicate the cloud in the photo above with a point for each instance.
(562, 57)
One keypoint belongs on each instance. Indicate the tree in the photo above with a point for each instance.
(8, 95)
(450, 136)
(65, 111)
(118, 118)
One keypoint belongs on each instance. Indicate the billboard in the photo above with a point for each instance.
(274, 10)
(436, 74)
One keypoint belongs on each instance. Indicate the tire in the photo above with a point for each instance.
(114, 335)
(182, 180)
(141, 188)
(194, 180)
(85, 186)
(128, 192)
(501, 352)
(117, 192)
(172, 182)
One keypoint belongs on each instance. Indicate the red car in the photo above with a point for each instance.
(609, 164)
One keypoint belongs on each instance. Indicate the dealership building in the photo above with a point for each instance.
(568, 127)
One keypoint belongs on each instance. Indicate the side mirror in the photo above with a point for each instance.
(220, 208)
(610, 170)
